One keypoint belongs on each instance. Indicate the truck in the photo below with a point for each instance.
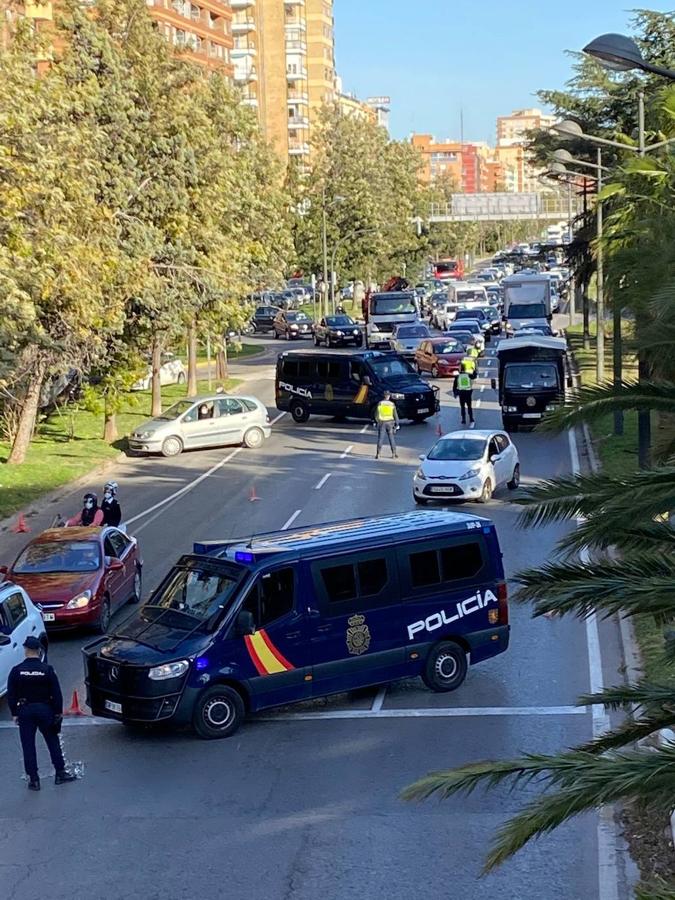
(386, 309)
(532, 378)
(527, 301)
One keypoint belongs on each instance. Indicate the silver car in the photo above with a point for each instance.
(209, 421)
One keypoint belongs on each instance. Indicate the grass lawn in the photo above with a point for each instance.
(232, 354)
(68, 444)
(618, 455)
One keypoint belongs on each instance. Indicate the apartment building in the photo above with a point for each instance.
(512, 131)
(472, 166)
(198, 29)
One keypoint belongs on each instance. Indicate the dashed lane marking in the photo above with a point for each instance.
(317, 487)
(291, 520)
(346, 452)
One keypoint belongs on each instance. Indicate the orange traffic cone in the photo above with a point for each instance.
(74, 708)
(253, 496)
(21, 527)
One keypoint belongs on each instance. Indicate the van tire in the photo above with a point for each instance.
(446, 667)
(218, 712)
(172, 446)
(299, 412)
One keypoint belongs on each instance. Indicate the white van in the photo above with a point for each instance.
(467, 295)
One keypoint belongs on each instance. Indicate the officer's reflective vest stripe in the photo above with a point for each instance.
(474, 352)
(469, 364)
(463, 382)
(385, 411)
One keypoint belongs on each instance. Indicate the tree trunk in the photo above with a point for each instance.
(109, 425)
(192, 360)
(222, 371)
(156, 409)
(28, 413)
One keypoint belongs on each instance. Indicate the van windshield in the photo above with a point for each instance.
(467, 296)
(384, 305)
(531, 376)
(193, 596)
(388, 368)
(527, 311)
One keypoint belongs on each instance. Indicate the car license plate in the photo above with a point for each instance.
(113, 707)
(532, 415)
(442, 490)
(424, 409)
(48, 617)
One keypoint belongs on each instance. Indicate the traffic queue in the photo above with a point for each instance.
(243, 625)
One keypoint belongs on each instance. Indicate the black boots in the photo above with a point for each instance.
(64, 776)
(34, 784)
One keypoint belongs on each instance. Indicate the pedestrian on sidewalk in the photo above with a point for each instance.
(35, 702)
(463, 390)
(386, 421)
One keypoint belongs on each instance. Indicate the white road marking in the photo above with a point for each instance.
(291, 520)
(346, 452)
(317, 487)
(365, 428)
(379, 699)
(608, 880)
(193, 484)
(430, 713)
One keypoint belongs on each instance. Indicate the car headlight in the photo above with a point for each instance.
(419, 474)
(355, 331)
(294, 327)
(143, 435)
(80, 601)
(398, 396)
(340, 333)
(510, 409)
(169, 670)
(551, 407)
(470, 474)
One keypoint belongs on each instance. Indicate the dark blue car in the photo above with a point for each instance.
(242, 626)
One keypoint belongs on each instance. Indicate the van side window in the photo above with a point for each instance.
(424, 568)
(271, 597)
(464, 561)
(290, 368)
(373, 577)
(305, 368)
(328, 371)
(356, 371)
(339, 582)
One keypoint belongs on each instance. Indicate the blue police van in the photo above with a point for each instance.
(241, 626)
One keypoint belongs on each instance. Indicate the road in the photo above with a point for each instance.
(303, 802)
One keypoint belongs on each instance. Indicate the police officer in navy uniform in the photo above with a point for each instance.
(35, 702)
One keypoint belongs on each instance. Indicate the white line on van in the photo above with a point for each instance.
(317, 487)
(291, 520)
(346, 452)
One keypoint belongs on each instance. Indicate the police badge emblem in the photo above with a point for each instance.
(358, 635)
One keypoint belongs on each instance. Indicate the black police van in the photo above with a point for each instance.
(245, 625)
(334, 384)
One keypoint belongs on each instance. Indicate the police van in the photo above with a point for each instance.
(336, 384)
(242, 626)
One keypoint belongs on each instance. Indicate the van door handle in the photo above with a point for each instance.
(325, 628)
(292, 635)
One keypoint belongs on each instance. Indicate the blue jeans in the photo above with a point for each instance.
(34, 717)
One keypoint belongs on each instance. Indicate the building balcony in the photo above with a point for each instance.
(250, 101)
(241, 4)
(298, 122)
(293, 46)
(243, 75)
(296, 25)
(249, 50)
(291, 3)
(298, 98)
(299, 75)
(298, 149)
(243, 26)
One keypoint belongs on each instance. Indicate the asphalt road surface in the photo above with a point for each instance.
(303, 802)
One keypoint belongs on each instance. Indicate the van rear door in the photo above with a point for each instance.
(353, 631)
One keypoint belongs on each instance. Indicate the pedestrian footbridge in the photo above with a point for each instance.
(505, 208)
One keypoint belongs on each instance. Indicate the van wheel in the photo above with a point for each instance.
(446, 667)
(486, 493)
(172, 446)
(254, 438)
(218, 712)
(299, 411)
(515, 481)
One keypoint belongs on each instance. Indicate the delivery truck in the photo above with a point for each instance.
(527, 301)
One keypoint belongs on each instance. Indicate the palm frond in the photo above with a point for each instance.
(629, 732)
(592, 403)
(623, 696)
(656, 890)
(631, 586)
(565, 498)
(610, 527)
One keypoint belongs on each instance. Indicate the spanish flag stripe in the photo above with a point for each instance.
(255, 659)
(267, 659)
(275, 652)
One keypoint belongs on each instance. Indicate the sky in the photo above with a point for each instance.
(437, 58)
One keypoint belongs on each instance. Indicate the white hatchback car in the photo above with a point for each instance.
(171, 371)
(467, 465)
(19, 618)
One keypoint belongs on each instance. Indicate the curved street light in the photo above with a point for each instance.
(621, 54)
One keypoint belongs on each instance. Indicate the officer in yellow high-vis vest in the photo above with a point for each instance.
(386, 420)
(463, 389)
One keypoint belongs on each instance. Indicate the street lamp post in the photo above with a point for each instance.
(621, 54)
(324, 236)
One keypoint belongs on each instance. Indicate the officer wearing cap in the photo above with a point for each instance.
(35, 702)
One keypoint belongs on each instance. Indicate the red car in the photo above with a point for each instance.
(79, 576)
(440, 356)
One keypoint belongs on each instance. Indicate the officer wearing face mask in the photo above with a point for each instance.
(112, 511)
(90, 514)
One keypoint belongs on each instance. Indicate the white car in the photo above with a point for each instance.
(171, 371)
(19, 619)
(445, 315)
(467, 465)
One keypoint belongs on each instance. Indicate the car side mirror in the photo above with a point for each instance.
(112, 564)
(5, 640)
(245, 623)
(493, 384)
(421, 456)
